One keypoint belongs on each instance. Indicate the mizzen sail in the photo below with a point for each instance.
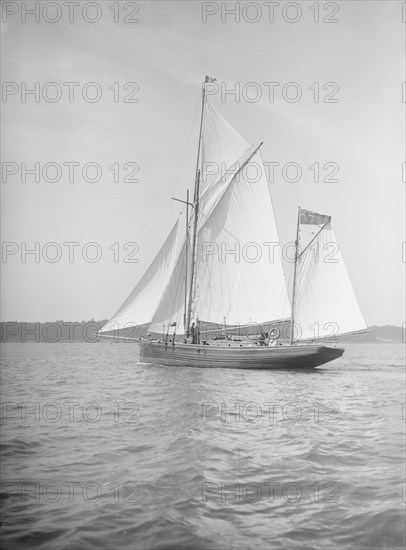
(326, 304)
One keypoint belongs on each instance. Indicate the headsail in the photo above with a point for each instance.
(141, 304)
(326, 302)
(171, 308)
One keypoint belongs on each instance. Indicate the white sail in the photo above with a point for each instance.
(211, 196)
(171, 308)
(239, 277)
(325, 300)
(222, 146)
(141, 304)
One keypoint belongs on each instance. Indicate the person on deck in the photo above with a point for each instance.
(193, 333)
(197, 332)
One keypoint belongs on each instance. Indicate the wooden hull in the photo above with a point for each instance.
(234, 356)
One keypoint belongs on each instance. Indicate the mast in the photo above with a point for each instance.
(292, 319)
(196, 213)
(186, 255)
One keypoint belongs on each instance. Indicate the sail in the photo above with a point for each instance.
(170, 308)
(325, 300)
(211, 196)
(141, 304)
(222, 145)
(239, 275)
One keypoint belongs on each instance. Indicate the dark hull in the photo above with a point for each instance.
(256, 357)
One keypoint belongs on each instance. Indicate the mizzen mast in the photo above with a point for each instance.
(292, 319)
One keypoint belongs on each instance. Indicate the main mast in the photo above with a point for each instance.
(186, 254)
(196, 213)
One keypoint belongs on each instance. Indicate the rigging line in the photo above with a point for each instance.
(180, 147)
(126, 273)
(146, 224)
(190, 128)
(181, 162)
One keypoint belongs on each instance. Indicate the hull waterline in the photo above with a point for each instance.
(302, 356)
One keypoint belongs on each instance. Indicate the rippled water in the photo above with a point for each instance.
(99, 452)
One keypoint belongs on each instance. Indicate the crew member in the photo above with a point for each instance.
(197, 332)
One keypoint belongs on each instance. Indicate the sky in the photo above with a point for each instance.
(144, 128)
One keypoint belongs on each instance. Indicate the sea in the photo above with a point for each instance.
(100, 452)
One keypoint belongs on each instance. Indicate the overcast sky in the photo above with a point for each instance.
(167, 53)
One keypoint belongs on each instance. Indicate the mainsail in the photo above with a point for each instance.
(240, 282)
(326, 304)
(238, 278)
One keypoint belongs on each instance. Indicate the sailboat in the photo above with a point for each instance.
(216, 295)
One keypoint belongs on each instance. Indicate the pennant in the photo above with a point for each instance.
(312, 218)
